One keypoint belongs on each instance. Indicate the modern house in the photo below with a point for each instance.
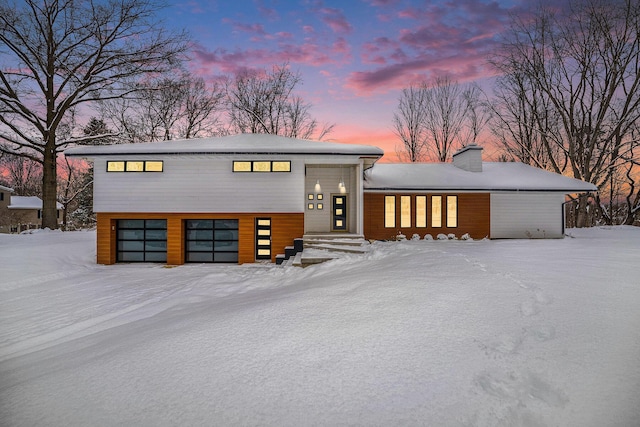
(244, 198)
(20, 213)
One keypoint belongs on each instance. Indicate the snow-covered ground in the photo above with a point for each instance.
(441, 333)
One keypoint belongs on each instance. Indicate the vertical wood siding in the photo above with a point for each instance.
(532, 215)
(284, 228)
(473, 216)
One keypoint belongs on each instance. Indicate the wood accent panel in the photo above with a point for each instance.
(284, 228)
(474, 215)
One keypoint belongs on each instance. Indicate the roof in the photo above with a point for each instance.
(28, 202)
(233, 144)
(3, 188)
(495, 176)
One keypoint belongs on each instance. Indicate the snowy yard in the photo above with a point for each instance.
(441, 333)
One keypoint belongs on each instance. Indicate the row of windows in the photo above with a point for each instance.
(135, 166)
(420, 219)
(262, 166)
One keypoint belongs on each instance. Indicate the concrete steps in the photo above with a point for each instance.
(318, 248)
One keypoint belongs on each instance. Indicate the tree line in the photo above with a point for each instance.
(566, 97)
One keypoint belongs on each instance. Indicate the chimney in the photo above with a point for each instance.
(469, 158)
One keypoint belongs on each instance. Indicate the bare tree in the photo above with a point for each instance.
(166, 109)
(264, 102)
(446, 110)
(584, 63)
(409, 124)
(22, 174)
(65, 53)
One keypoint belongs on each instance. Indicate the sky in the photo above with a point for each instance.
(354, 56)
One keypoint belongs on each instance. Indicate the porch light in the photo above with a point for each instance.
(317, 188)
(341, 187)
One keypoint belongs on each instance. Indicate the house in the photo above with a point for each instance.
(20, 213)
(244, 198)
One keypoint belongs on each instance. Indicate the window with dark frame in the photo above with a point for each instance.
(261, 166)
(135, 166)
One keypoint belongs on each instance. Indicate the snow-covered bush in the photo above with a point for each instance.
(451, 236)
(415, 237)
(466, 236)
(428, 237)
(401, 237)
(442, 237)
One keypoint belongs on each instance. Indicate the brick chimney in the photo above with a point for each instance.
(469, 158)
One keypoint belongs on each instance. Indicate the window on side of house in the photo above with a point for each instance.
(452, 211)
(405, 211)
(436, 211)
(261, 166)
(135, 166)
(389, 211)
(421, 211)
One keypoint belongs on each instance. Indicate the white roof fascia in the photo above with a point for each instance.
(253, 144)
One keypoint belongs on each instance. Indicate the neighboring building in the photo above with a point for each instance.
(244, 198)
(20, 213)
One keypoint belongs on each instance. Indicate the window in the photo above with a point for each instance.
(211, 240)
(405, 211)
(389, 211)
(421, 211)
(436, 211)
(135, 166)
(140, 240)
(452, 211)
(39, 214)
(261, 166)
(1, 196)
(263, 240)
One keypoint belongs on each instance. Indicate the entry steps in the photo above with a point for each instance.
(318, 248)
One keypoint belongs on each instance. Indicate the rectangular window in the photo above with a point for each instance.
(261, 166)
(405, 211)
(436, 211)
(389, 211)
(263, 240)
(115, 166)
(153, 166)
(39, 214)
(1, 197)
(281, 167)
(421, 211)
(452, 211)
(242, 166)
(135, 166)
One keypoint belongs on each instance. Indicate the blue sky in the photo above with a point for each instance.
(354, 56)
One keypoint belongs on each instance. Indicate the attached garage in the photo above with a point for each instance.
(211, 240)
(141, 240)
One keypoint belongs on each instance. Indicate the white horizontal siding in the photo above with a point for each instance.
(199, 184)
(523, 215)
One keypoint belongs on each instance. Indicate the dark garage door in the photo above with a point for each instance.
(212, 240)
(142, 240)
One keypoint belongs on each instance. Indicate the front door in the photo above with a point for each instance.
(339, 214)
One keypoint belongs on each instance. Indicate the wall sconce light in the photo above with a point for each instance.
(317, 188)
(341, 187)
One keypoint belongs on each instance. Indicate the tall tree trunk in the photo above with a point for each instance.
(49, 187)
(581, 217)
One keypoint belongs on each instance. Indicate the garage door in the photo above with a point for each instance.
(142, 240)
(212, 240)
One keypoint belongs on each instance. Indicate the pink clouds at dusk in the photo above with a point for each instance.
(354, 57)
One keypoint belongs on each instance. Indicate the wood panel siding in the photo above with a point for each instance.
(474, 213)
(284, 228)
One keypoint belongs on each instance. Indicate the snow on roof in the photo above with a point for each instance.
(233, 144)
(28, 202)
(3, 188)
(494, 177)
